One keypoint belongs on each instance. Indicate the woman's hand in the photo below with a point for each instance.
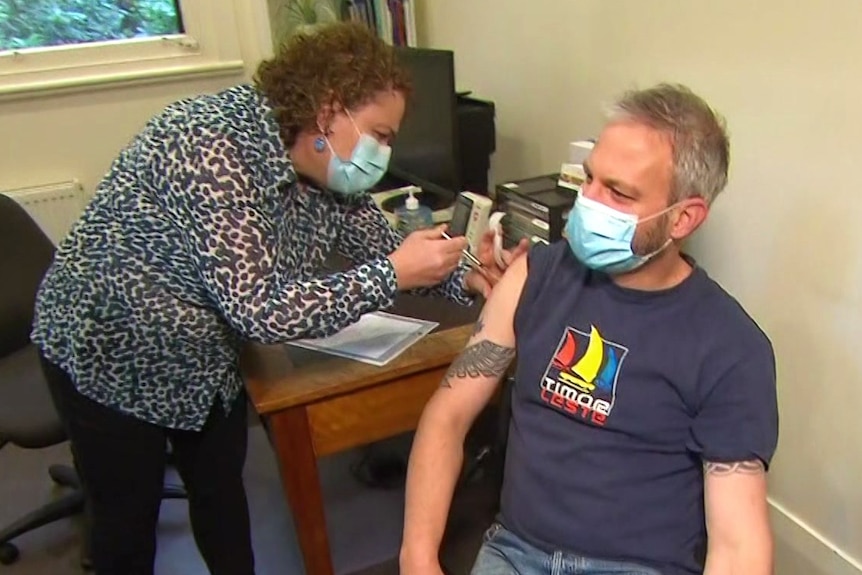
(425, 258)
(482, 280)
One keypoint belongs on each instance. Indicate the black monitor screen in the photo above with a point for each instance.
(426, 146)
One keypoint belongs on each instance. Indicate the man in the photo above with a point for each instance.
(644, 409)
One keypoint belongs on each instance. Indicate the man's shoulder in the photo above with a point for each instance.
(543, 258)
(731, 323)
(551, 274)
(542, 249)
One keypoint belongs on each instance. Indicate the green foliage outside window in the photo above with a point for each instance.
(39, 23)
(289, 17)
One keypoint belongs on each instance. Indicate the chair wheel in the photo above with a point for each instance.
(8, 554)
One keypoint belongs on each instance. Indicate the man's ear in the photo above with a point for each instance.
(689, 216)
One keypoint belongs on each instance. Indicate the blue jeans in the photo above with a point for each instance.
(504, 553)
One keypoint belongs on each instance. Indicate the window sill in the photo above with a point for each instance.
(118, 79)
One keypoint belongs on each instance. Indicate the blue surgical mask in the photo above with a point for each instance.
(601, 237)
(367, 165)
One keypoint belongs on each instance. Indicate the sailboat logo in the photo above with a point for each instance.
(582, 376)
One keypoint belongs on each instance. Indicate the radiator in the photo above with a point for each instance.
(55, 207)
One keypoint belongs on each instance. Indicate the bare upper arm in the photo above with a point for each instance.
(473, 377)
(735, 501)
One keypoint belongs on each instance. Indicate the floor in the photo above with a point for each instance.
(24, 484)
(364, 523)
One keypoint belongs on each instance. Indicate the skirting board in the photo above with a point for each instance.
(801, 550)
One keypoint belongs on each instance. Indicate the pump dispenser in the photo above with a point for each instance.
(413, 215)
(412, 202)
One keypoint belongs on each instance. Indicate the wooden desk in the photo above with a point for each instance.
(316, 405)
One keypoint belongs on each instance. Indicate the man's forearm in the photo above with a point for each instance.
(435, 463)
(753, 557)
(739, 534)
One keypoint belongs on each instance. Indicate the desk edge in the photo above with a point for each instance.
(265, 405)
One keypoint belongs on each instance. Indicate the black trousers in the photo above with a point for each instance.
(122, 460)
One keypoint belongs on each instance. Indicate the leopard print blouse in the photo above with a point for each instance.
(200, 238)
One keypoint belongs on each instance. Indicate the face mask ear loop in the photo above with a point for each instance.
(669, 240)
(664, 246)
(325, 137)
(331, 149)
(661, 213)
(352, 121)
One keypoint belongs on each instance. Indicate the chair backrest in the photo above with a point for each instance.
(25, 255)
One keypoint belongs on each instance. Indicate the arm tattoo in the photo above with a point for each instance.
(482, 359)
(752, 467)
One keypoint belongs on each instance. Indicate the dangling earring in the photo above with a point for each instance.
(319, 144)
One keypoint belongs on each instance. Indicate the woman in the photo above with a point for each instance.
(209, 230)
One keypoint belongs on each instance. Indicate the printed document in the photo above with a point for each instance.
(377, 338)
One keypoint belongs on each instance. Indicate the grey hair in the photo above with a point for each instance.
(698, 136)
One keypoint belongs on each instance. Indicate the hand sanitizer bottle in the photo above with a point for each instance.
(413, 215)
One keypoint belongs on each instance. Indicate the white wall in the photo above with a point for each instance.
(52, 138)
(785, 238)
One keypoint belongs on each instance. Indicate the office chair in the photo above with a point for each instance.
(28, 418)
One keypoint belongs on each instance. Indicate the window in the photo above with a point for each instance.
(63, 44)
(42, 23)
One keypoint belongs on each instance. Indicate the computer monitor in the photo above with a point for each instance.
(426, 147)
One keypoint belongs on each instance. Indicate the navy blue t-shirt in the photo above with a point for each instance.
(620, 396)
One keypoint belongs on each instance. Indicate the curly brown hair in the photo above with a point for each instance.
(341, 63)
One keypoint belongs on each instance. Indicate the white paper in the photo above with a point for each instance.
(377, 338)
